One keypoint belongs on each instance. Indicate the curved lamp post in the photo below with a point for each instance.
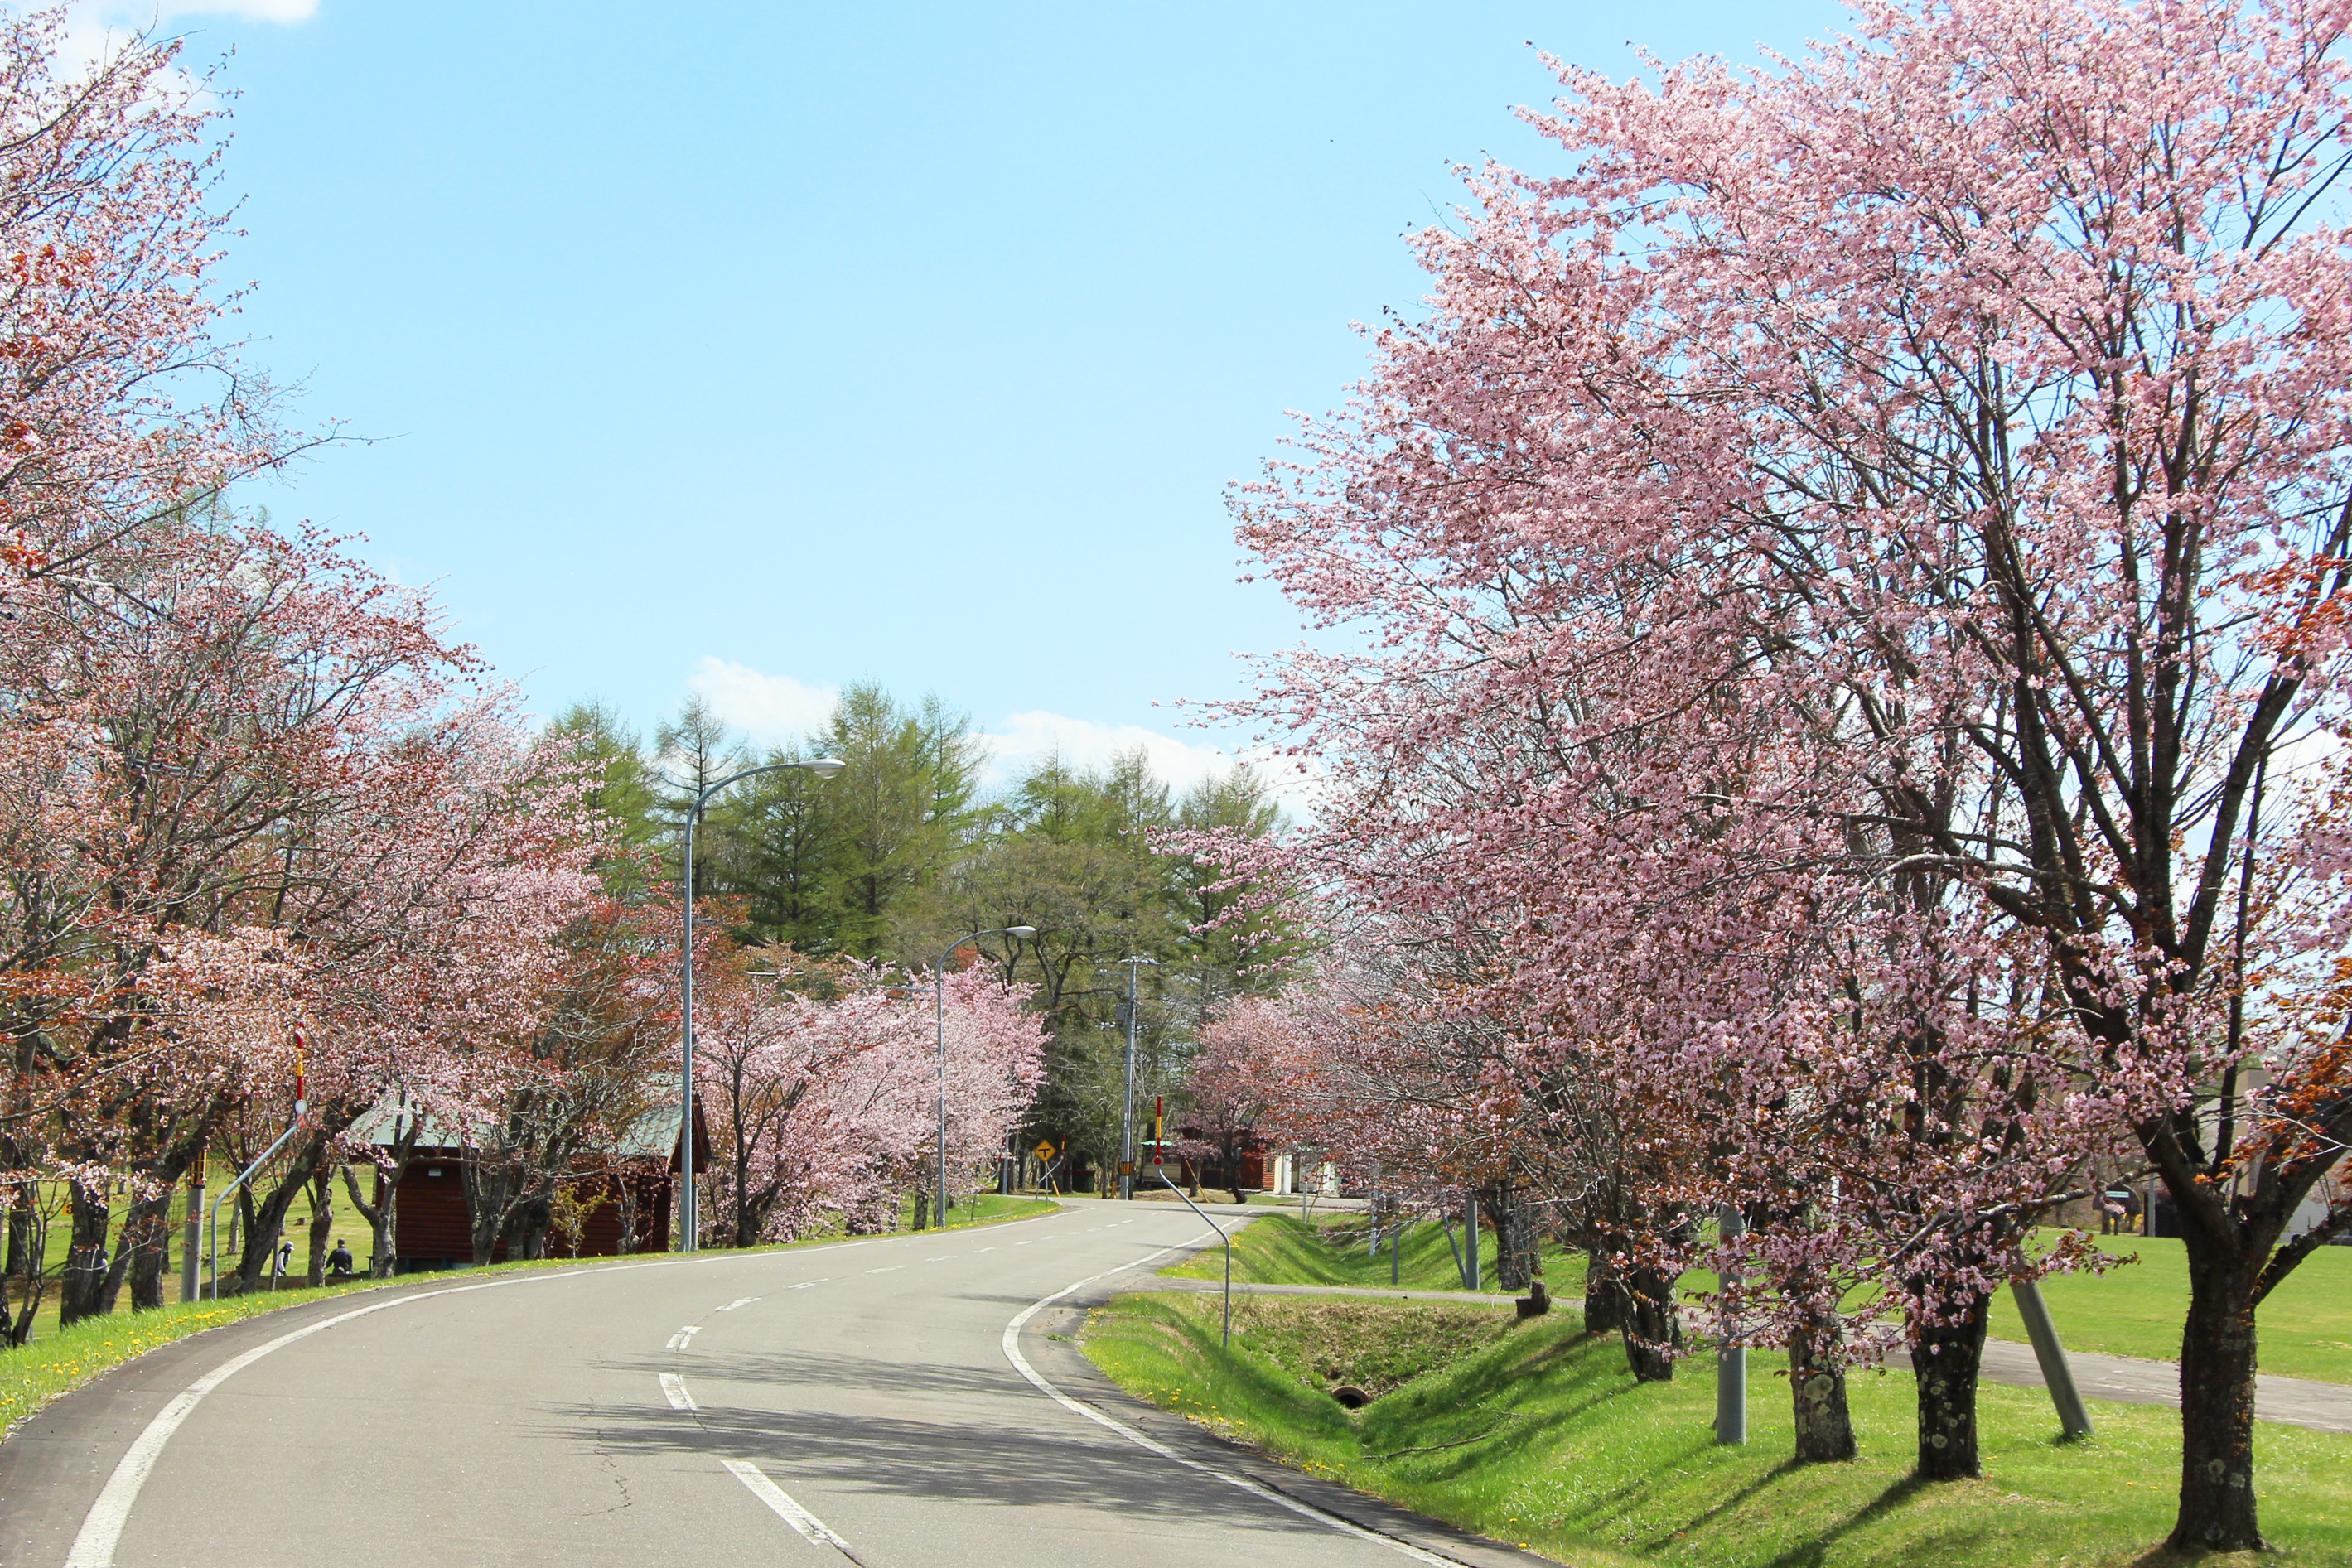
(940, 1021)
(688, 1214)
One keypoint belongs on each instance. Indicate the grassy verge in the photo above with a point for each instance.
(1279, 1250)
(2133, 1310)
(61, 1360)
(1538, 1437)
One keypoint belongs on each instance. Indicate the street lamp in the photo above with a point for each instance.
(940, 1021)
(1127, 1092)
(688, 1214)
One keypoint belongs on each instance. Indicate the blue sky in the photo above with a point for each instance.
(762, 347)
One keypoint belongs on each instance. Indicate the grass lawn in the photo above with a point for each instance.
(1535, 1435)
(2306, 1326)
(2134, 1310)
(59, 1360)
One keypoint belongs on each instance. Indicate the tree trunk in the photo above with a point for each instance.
(1817, 1386)
(1514, 1247)
(1944, 1364)
(146, 1247)
(1651, 1327)
(2217, 1403)
(1604, 1295)
(85, 1280)
(378, 1213)
(21, 1247)
(322, 1223)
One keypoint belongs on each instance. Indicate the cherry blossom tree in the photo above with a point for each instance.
(821, 1081)
(1927, 458)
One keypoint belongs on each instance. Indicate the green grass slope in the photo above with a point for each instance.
(1278, 1249)
(1540, 1438)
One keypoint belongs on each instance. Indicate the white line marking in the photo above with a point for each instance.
(804, 1284)
(674, 1390)
(944, 1257)
(101, 1527)
(677, 1342)
(738, 1301)
(1256, 1489)
(985, 1249)
(791, 1513)
(886, 1269)
(1023, 1243)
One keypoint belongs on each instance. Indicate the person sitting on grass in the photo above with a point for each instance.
(339, 1261)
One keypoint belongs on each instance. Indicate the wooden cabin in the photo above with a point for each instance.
(618, 1200)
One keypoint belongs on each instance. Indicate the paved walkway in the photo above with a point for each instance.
(2127, 1379)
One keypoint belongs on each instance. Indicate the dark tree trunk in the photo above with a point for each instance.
(2217, 1405)
(1945, 1358)
(1817, 1387)
(266, 1221)
(526, 1229)
(1604, 1295)
(84, 1286)
(1653, 1328)
(322, 1223)
(146, 1245)
(21, 1249)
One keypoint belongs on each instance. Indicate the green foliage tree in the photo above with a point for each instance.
(628, 789)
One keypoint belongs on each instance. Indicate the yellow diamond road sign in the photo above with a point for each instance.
(1044, 1151)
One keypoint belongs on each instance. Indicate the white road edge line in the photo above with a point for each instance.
(674, 1390)
(810, 1526)
(101, 1527)
(1256, 1489)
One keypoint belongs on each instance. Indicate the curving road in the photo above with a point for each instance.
(899, 1401)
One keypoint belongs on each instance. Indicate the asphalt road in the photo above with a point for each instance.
(902, 1401)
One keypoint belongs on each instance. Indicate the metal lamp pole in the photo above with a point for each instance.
(940, 1022)
(688, 1214)
(1126, 1093)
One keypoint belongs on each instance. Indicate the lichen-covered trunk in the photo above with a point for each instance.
(1817, 1388)
(1514, 1244)
(1945, 1360)
(1653, 1328)
(146, 1248)
(1604, 1295)
(2217, 1403)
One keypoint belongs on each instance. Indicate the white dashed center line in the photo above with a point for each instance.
(674, 1390)
(810, 1527)
(890, 1268)
(738, 1301)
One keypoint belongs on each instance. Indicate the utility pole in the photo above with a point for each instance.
(1126, 1093)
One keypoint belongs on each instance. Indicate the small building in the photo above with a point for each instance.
(616, 1200)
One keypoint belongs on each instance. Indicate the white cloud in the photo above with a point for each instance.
(1027, 738)
(772, 709)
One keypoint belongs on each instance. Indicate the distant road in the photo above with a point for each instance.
(902, 1400)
